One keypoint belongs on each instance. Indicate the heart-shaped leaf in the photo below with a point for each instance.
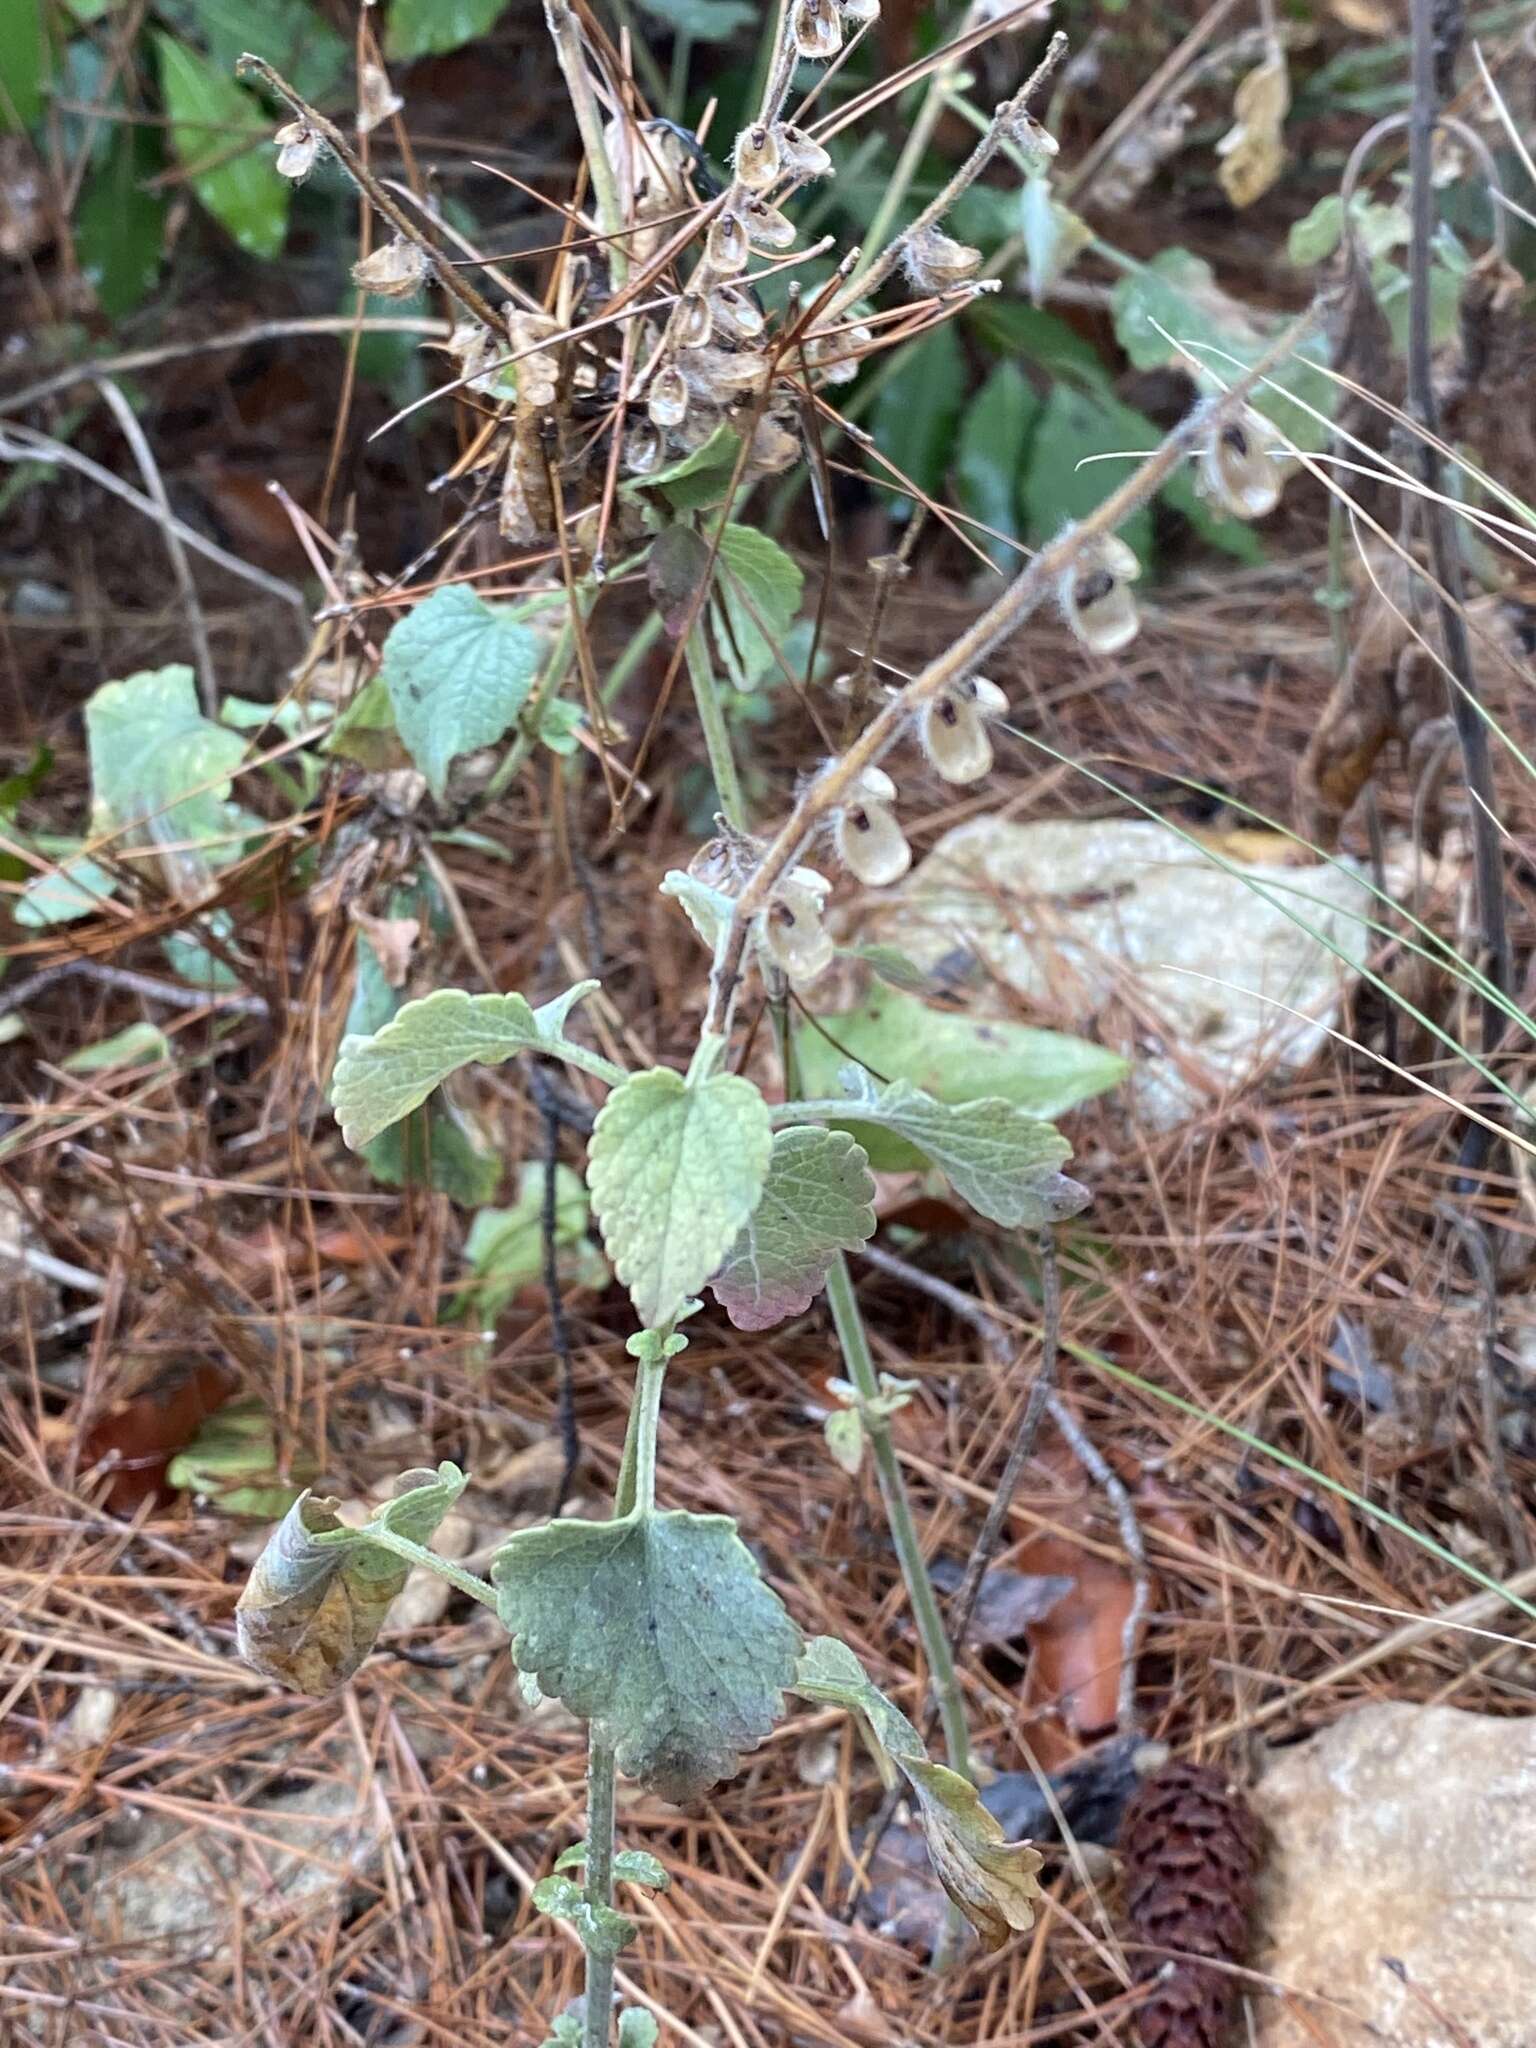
(816, 1202)
(458, 671)
(658, 1628)
(381, 1078)
(675, 1170)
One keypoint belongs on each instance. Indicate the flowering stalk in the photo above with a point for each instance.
(1031, 587)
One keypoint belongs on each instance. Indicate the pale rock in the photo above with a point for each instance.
(426, 1593)
(274, 1860)
(1122, 927)
(1405, 1833)
(85, 1727)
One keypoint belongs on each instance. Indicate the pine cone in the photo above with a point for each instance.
(1190, 1844)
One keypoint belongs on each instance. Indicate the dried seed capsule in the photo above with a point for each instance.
(953, 729)
(756, 157)
(801, 155)
(765, 226)
(1239, 471)
(1096, 597)
(936, 262)
(534, 370)
(1032, 136)
(868, 837)
(376, 98)
(861, 12)
(297, 148)
(642, 449)
(816, 29)
(835, 357)
(726, 247)
(392, 271)
(773, 449)
(695, 320)
(792, 929)
(667, 400)
(737, 312)
(717, 375)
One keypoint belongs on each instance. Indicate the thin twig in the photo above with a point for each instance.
(1041, 1391)
(1093, 1460)
(453, 284)
(1445, 553)
(181, 568)
(25, 444)
(1475, 1242)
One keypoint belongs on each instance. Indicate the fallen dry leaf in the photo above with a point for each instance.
(1252, 152)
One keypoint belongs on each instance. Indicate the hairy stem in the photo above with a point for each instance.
(597, 2022)
(418, 1554)
(717, 740)
(854, 1340)
(589, 125)
(453, 284)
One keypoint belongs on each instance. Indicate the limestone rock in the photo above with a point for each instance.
(1208, 972)
(1401, 1835)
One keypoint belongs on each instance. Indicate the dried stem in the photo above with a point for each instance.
(1445, 555)
(886, 258)
(566, 35)
(1003, 617)
(453, 284)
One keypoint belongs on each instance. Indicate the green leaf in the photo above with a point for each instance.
(318, 1594)
(675, 1170)
(951, 1055)
(996, 1157)
(566, 2027)
(697, 479)
(505, 1247)
(420, 28)
(991, 1880)
(1177, 293)
(156, 761)
(917, 409)
(384, 1077)
(1060, 483)
(136, 1045)
(844, 1432)
(990, 458)
(218, 124)
(1027, 333)
(656, 1627)
(1053, 236)
(759, 592)
(458, 671)
(637, 2028)
(232, 1462)
(708, 910)
(295, 37)
(816, 1202)
(638, 1866)
(23, 64)
(706, 21)
(556, 1896)
(77, 888)
(120, 223)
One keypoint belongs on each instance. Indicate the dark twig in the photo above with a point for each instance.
(1474, 1240)
(1099, 1468)
(1430, 42)
(1042, 1388)
(554, 1112)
